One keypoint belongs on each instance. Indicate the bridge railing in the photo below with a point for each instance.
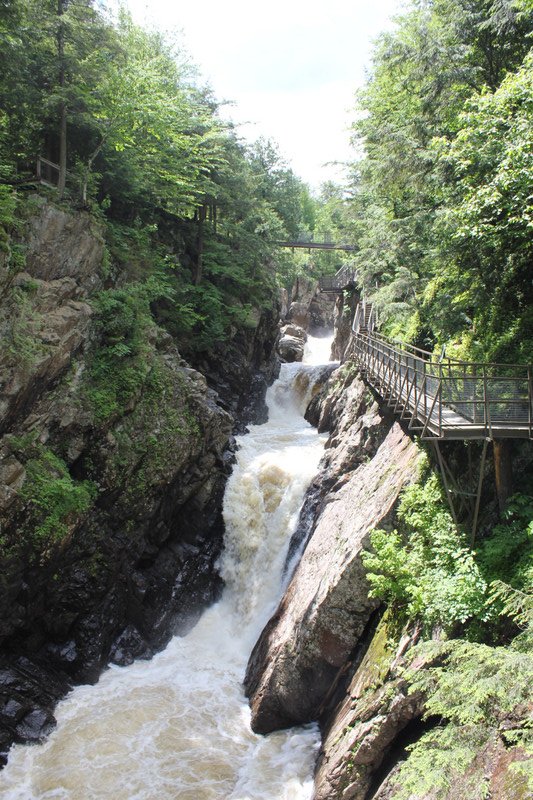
(448, 398)
(335, 283)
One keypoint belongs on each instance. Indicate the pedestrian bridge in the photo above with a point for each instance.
(443, 398)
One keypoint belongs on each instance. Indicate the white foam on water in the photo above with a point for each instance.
(317, 350)
(178, 727)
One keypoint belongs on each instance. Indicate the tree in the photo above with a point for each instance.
(442, 53)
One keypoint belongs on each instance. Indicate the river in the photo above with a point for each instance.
(177, 727)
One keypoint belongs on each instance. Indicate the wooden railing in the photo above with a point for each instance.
(47, 172)
(447, 399)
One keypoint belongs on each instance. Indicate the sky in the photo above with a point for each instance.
(290, 67)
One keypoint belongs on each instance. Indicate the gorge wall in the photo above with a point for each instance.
(114, 454)
(326, 610)
(330, 653)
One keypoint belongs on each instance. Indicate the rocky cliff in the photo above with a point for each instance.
(327, 611)
(331, 654)
(114, 453)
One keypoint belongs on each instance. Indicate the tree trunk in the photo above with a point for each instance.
(63, 106)
(202, 213)
(503, 469)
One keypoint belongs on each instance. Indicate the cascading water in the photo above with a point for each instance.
(177, 726)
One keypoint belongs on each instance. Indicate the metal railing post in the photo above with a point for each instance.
(486, 404)
(440, 399)
(530, 400)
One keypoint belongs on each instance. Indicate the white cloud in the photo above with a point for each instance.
(290, 66)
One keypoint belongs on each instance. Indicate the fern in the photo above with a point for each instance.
(472, 689)
(425, 570)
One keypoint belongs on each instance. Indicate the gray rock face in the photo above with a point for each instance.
(326, 607)
(38, 347)
(309, 308)
(364, 725)
(138, 563)
(342, 324)
(65, 245)
(321, 313)
(292, 341)
(298, 313)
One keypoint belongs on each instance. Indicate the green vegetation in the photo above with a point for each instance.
(23, 347)
(441, 205)
(140, 144)
(479, 693)
(156, 436)
(11, 252)
(479, 672)
(442, 213)
(426, 571)
(120, 360)
(55, 500)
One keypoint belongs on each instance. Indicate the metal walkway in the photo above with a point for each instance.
(343, 279)
(311, 245)
(443, 398)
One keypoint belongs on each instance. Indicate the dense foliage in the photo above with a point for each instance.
(442, 211)
(474, 664)
(426, 571)
(441, 202)
(140, 143)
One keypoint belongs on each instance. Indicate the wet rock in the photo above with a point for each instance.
(298, 313)
(28, 692)
(326, 607)
(291, 348)
(35, 726)
(292, 341)
(129, 646)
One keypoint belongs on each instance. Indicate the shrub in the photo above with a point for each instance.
(56, 500)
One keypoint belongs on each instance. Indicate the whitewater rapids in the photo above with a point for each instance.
(178, 727)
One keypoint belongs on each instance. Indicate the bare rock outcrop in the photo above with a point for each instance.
(326, 608)
(64, 245)
(292, 341)
(342, 323)
(376, 709)
(112, 472)
(367, 735)
(38, 346)
(298, 314)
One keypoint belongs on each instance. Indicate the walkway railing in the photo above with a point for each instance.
(310, 244)
(447, 399)
(341, 280)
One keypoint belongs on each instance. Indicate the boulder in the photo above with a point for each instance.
(293, 330)
(298, 313)
(292, 341)
(291, 349)
(327, 607)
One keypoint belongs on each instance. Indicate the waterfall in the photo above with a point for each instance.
(177, 727)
